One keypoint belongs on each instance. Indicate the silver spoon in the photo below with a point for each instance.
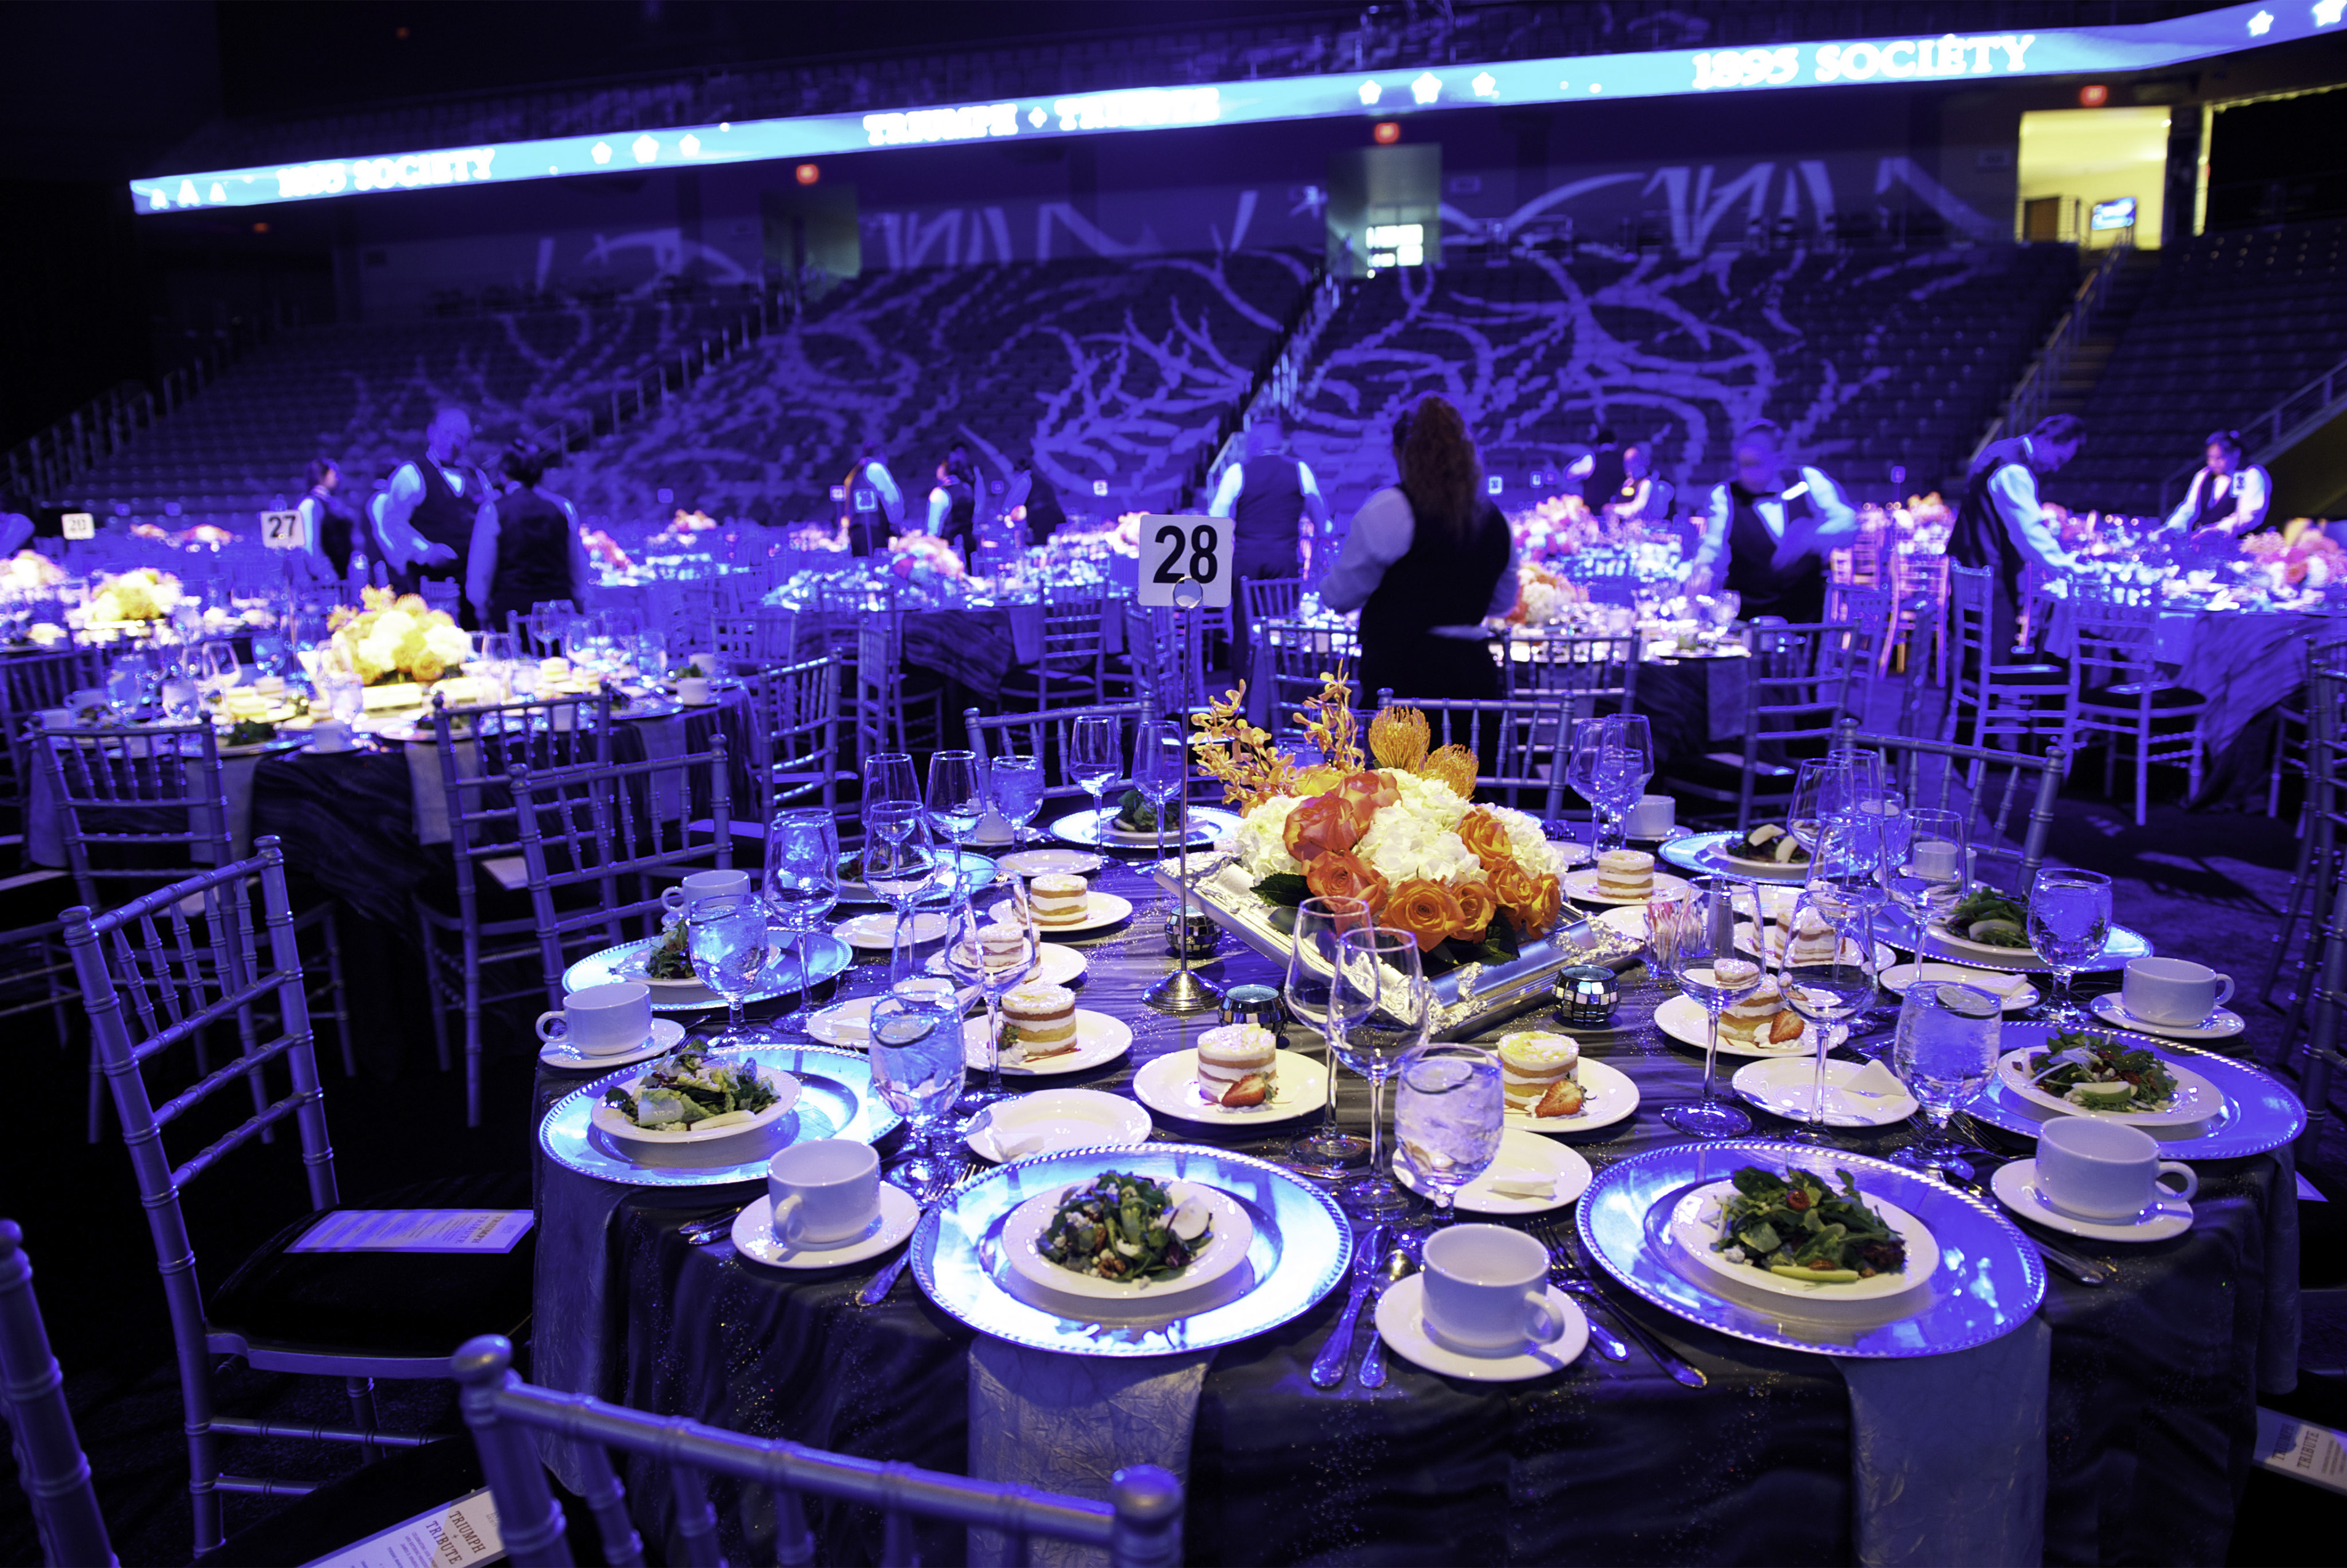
(1373, 1364)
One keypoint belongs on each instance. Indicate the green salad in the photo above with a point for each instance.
(1797, 1226)
(249, 732)
(686, 1092)
(1990, 918)
(2097, 1073)
(669, 960)
(1134, 814)
(1125, 1228)
(1769, 842)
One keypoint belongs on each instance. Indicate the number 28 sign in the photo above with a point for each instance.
(1186, 562)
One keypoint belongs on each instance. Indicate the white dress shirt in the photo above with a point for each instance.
(884, 484)
(1836, 521)
(2252, 496)
(2013, 490)
(1381, 534)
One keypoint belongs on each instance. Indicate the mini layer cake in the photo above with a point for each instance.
(1041, 1020)
(1002, 945)
(1058, 900)
(1760, 1017)
(1626, 875)
(1539, 1073)
(1237, 1063)
(1814, 943)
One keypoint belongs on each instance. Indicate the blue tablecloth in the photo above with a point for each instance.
(2242, 661)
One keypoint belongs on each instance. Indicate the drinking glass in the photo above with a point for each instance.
(898, 863)
(1924, 870)
(1014, 787)
(129, 685)
(180, 696)
(1827, 993)
(1092, 760)
(801, 882)
(1160, 767)
(1581, 774)
(1830, 786)
(494, 664)
(956, 799)
(1944, 1051)
(1711, 969)
(1381, 991)
(217, 668)
(917, 1068)
(726, 937)
(966, 959)
(1310, 990)
(1448, 1114)
(2069, 925)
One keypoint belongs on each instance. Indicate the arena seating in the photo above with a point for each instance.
(2234, 323)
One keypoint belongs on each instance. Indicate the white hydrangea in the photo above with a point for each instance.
(1428, 799)
(1401, 845)
(393, 625)
(448, 644)
(1525, 840)
(1260, 839)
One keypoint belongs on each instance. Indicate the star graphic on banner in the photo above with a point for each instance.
(600, 152)
(1427, 88)
(645, 149)
(1035, 116)
(690, 145)
(1486, 88)
(1368, 92)
(2259, 23)
(2327, 12)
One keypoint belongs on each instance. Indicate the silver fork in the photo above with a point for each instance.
(1560, 1272)
(1568, 1275)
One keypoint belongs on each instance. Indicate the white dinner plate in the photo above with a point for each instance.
(1581, 886)
(2016, 1186)
(609, 1122)
(1049, 861)
(649, 708)
(1401, 1323)
(1783, 1088)
(1048, 1121)
(2112, 1010)
(665, 1035)
(1230, 1231)
(1207, 824)
(1099, 1039)
(1054, 965)
(1966, 947)
(1170, 1084)
(631, 968)
(1694, 1226)
(2197, 1099)
(1102, 910)
(2021, 996)
(876, 932)
(1684, 1019)
(1608, 1095)
(1519, 1151)
(754, 1234)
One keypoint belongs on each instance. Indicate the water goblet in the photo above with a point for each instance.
(1924, 870)
(725, 936)
(917, 1068)
(1710, 968)
(956, 799)
(801, 882)
(1944, 1051)
(1449, 1113)
(1388, 1006)
(1827, 989)
(1014, 788)
(967, 960)
(1094, 760)
(1314, 1000)
(2069, 925)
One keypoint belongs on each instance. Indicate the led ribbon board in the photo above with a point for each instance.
(1661, 74)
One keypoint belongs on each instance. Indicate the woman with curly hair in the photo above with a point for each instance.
(1426, 562)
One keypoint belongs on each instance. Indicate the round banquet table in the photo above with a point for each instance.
(2145, 1390)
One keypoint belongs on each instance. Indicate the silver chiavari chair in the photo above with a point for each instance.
(1588, 669)
(50, 1466)
(1045, 737)
(1520, 742)
(1800, 681)
(2318, 859)
(1985, 786)
(1140, 1527)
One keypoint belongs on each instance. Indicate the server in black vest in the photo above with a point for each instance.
(2228, 497)
(428, 512)
(1032, 502)
(2000, 524)
(1267, 497)
(871, 506)
(1600, 470)
(1769, 531)
(953, 501)
(526, 550)
(332, 533)
(1643, 496)
(1426, 562)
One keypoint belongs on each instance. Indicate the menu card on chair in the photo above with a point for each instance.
(415, 1230)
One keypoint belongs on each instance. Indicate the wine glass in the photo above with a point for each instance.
(1588, 743)
(1160, 768)
(965, 958)
(1924, 870)
(1309, 992)
(219, 667)
(917, 1068)
(898, 861)
(1831, 786)
(494, 664)
(801, 881)
(1014, 787)
(1710, 968)
(2069, 925)
(1449, 1113)
(956, 799)
(725, 934)
(1828, 990)
(1381, 991)
(1944, 1051)
(1092, 760)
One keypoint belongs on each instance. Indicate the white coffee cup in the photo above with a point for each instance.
(824, 1193)
(693, 690)
(330, 735)
(1652, 818)
(86, 700)
(705, 885)
(603, 1021)
(2173, 990)
(1486, 1291)
(2106, 1171)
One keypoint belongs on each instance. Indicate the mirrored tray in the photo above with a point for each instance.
(836, 1101)
(1301, 1251)
(2261, 1113)
(1897, 929)
(826, 956)
(1207, 824)
(1989, 1281)
(1703, 855)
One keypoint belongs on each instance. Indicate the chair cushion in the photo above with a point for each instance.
(384, 1303)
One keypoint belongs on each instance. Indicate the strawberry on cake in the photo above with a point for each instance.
(1760, 1019)
(1237, 1065)
(1539, 1073)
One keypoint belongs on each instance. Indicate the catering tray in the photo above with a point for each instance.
(1302, 1248)
(836, 1101)
(2261, 1113)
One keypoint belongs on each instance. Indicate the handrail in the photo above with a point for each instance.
(1274, 381)
(2282, 427)
(2035, 387)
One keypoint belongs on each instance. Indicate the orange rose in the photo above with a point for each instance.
(1514, 888)
(1323, 824)
(1486, 838)
(1367, 793)
(1426, 910)
(1535, 914)
(1476, 907)
(1340, 873)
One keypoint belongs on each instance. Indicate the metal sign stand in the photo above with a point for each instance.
(1184, 991)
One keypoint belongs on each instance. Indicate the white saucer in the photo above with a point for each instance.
(665, 1034)
(1520, 1151)
(754, 1234)
(1054, 966)
(1045, 862)
(1782, 1088)
(847, 1025)
(1169, 1083)
(1099, 1039)
(876, 932)
(1684, 1019)
(1102, 910)
(1401, 1323)
(2112, 1010)
(2016, 1186)
(1896, 977)
(1047, 1121)
(1608, 1095)
(1581, 886)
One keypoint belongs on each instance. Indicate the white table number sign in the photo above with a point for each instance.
(283, 531)
(1175, 550)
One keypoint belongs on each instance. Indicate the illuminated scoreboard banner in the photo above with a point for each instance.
(1948, 56)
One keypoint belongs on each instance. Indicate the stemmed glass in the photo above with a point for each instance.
(957, 799)
(2069, 925)
(1094, 763)
(801, 882)
(1014, 787)
(1829, 787)
(494, 663)
(726, 937)
(898, 861)
(1449, 1113)
(1387, 1007)
(1310, 991)
(218, 661)
(965, 958)
(1945, 1052)
(917, 1068)
(1923, 871)
(1711, 969)
(1609, 761)
(1827, 993)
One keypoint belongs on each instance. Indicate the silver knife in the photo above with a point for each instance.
(1328, 1367)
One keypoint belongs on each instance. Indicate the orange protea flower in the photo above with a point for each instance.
(1341, 874)
(1476, 907)
(1399, 738)
(1453, 766)
(1428, 910)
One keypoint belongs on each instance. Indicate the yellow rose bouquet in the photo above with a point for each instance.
(390, 640)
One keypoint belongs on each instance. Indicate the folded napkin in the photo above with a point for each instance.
(1518, 1183)
(1873, 1081)
(2004, 986)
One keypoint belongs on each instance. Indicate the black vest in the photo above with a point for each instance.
(1043, 511)
(338, 529)
(533, 555)
(445, 517)
(1981, 537)
(1437, 582)
(1795, 591)
(1605, 475)
(1271, 500)
(962, 511)
(862, 509)
(2215, 508)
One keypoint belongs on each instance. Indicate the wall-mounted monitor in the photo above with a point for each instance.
(2117, 213)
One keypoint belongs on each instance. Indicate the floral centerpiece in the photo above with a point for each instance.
(140, 594)
(909, 553)
(1471, 883)
(30, 569)
(389, 639)
(1544, 598)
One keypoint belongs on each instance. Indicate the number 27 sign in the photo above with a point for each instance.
(1175, 551)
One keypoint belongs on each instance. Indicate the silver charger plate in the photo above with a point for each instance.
(836, 1101)
(1702, 854)
(976, 872)
(1207, 824)
(2124, 944)
(826, 956)
(1301, 1251)
(2261, 1113)
(1990, 1279)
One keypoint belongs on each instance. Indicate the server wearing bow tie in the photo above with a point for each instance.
(1769, 531)
(2227, 497)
